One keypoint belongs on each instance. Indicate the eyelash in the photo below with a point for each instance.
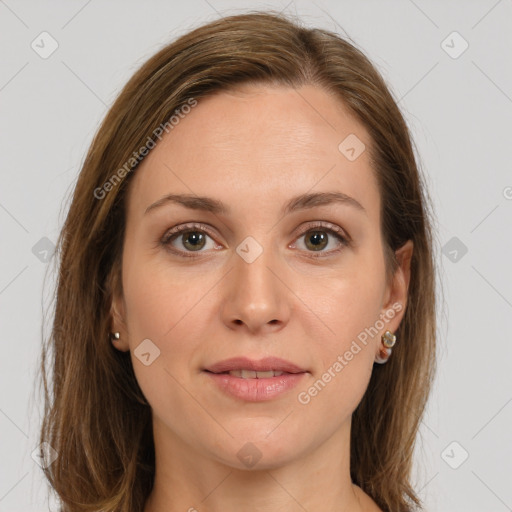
(329, 228)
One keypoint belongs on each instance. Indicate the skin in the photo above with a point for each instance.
(254, 149)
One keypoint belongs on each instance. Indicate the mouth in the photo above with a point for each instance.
(250, 368)
(251, 374)
(255, 380)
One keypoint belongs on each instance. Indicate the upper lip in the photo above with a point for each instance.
(260, 365)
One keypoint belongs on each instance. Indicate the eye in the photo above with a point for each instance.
(320, 235)
(188, 238)
(191, 238)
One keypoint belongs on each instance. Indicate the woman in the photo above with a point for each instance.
(245, 309)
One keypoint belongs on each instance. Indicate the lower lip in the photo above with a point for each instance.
(256, 390)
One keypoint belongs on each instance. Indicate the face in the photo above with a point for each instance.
(282, 265)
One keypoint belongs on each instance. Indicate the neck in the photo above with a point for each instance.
(186, 479)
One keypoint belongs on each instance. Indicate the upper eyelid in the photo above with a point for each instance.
(300, 231)
(188, 226)
(327, 226)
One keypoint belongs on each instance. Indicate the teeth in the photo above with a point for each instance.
(251, 374)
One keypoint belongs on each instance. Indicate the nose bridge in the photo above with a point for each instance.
(254, 278)
(256, 297)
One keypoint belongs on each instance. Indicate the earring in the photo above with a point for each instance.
(115, 336)
(388, 342)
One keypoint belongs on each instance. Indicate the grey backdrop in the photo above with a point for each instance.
(449, 64)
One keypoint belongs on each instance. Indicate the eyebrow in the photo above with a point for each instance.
(301, 202)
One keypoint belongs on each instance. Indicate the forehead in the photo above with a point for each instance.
(262, 143)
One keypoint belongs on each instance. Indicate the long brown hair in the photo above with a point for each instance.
(95, 415)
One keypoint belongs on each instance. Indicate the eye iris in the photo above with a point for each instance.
(318, 239)
(193, 240)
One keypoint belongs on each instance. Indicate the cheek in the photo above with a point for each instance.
(163, 306)
(158, 298)
(347, 302)
(170, 307)
(349, 307)
(345, 355)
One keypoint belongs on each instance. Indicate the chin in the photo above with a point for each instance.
(255, 457)
(262, 444)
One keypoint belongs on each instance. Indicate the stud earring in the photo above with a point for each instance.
(115, 336)
(388, 342)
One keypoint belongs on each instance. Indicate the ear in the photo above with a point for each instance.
(118, 313)
(395, 300)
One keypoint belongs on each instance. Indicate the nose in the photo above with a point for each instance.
(256, 297)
